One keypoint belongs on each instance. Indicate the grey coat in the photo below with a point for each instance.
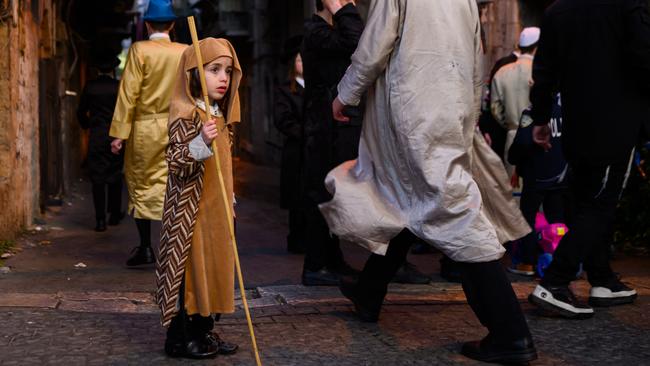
(422, 165)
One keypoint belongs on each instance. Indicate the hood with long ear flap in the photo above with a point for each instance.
(183, 104)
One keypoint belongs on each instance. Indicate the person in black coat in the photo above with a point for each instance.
(289, 120)
(95, 113)
(597, 55)
(545, 184)
(331, 36)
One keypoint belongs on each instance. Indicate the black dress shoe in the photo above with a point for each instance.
(223, 347)
(101, 226)
(194, 349)
(409, 274)
(520, 351)
(322, 277)
(141, 255)
(348, 289)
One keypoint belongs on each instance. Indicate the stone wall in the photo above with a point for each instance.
(19, 123)
(502, 25)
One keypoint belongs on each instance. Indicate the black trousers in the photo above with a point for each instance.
(486, 287)
(322, 249)
(596, 190)
(185, 328)
(296, 237)
(144, 230)
(114, 198)
(531, 200)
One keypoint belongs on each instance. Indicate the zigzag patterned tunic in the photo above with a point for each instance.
(194, 241)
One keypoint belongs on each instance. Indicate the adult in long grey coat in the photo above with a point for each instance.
(423, 169)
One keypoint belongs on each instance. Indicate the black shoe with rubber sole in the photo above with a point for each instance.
(559, 301)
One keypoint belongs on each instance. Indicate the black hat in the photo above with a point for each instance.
(292, 48)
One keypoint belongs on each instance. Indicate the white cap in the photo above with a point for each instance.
(529, 36)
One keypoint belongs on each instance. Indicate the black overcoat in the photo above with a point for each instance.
(95, 113)
(289, 120)
(326, 52)
(597, 54)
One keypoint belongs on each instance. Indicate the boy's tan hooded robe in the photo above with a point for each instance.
(195, 242)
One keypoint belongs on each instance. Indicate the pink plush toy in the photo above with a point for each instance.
(548, 237)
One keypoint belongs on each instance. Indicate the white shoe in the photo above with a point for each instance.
(614, 293)
(560, 301)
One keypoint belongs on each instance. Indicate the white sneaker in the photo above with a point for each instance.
(614, 293)
(560, 301)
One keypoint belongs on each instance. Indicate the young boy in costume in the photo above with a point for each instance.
(140, 122)
(545, 184)
(195, 269)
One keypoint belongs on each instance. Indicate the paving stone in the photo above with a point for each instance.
(406, 335)
(28, 300)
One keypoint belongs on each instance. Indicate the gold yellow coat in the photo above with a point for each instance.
(141, 117)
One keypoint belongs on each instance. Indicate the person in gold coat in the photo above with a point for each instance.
(139, 122)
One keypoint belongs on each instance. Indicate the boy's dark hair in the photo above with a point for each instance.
(319, 5)
(529, 49)
(195, 83)
(161, 26)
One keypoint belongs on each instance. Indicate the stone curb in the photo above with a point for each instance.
(266, 297)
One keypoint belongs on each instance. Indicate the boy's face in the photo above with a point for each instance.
(298, 65)
(217, 77)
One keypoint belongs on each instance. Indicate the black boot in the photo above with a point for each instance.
(368, 314)
(195, 349)
(519, 351)
(141, 255)
(101, 225)
(495, 304)
(368, 292)
(223, 347)
(409, 274)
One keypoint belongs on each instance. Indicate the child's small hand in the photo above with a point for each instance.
(542, 137)
(116, 146)
(209, 131)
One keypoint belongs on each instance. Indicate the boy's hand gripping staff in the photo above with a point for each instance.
(204, 90)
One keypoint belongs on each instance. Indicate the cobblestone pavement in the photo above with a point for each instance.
(53, 312)
(321, 334)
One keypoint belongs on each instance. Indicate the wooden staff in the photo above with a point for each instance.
(229, 215)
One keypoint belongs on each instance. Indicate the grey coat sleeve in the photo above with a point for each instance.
(199, 150)
(374, 50)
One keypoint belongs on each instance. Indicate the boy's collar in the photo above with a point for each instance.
(214, 109)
